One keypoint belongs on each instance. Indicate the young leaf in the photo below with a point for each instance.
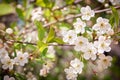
(58, 40)
(69, 1)
(28, 12)
(41, 30)
(45, 3)
(116, 15)
(20, 13)
(42, 47)
(51, 35)
(6, 9)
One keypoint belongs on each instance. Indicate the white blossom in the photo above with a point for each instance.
(6, 77)
(21, 58)
(104, 62)
(51, 50)
(79, 26)
(80, 43)
(70, 37)
(103, 44)
(102, 1)
(46, 68)
(9, 30)
(77, 65)
(37, 14)
(7, 63)
(71, 73)
(49, 65)
(115, 2)
(90, 52)
(3, 53)
(43, 72)
(31, 37)
(102, 25)
(87, 13)
(30, 76)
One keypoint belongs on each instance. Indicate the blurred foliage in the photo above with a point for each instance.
(6, 9)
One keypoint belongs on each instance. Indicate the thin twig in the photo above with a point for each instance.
(36, 44)
(77, 15)
(63, 19)
(77, 2)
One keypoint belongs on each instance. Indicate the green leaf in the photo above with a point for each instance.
(41, 30)
(42, 47)
(112, 21)
(51, 35)
(116, 15)
(6, 9)
(69, 1)
(47, 13)
(28, 12)
(44, 51)
(45, 3)
(58, 40)
(20, 13)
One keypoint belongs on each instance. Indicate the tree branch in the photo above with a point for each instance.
(77, 2)
(77, 15)
(36, 44)
(63, 19)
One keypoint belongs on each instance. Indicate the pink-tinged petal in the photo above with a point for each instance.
(6, 77)
(12, 78)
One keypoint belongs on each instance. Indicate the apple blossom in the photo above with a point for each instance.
(70, 37)
(79, 26)
(7, 63)
(87, 13)
(71, 73)
(80, 43)
(103, 44)
(21, 58)
(102, 25)
(90, 52)
(77, 65)
(6, 77)
(3, 53)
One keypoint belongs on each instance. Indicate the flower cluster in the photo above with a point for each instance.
(74, 69)
(8, 63)
(6, 77)
(46, 68)
(113, 2)
(37, 14)
(89, 49)
(103, 62)
(30, 76)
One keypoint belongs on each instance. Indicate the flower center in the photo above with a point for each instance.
(102, 25)
(80, 42)
(21, 58)
(70, 37)
(9, 62)
(102, 45)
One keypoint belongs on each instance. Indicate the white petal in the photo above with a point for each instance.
(6, 77)
(86, 56)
